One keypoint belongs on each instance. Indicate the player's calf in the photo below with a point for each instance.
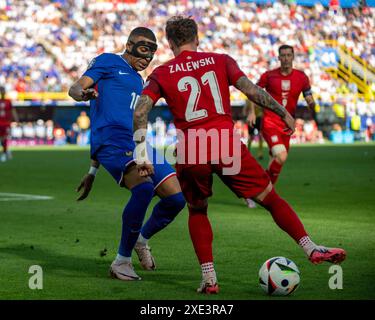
(280, 155)
(164, 212)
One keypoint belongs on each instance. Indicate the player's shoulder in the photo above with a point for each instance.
(163, 68)
(104, 59)
(300, 73)
(272, 72)
(216, 55)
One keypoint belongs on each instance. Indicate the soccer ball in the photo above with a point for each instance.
(279, 276)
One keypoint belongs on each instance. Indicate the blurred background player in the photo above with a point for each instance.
(83, 121)
(253, 117)
(117, 87)
(284, 84)
(179, 81)
(7, 112)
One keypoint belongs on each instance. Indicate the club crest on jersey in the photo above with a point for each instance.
(129, 153)
(274, 139)
(285, 85)
(91, 63)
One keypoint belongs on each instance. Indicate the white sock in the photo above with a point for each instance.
(121, 259)
(307, 245)
(142, 240)
(208, 272)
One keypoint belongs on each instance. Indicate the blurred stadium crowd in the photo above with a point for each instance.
(160, 133)
(46, 45)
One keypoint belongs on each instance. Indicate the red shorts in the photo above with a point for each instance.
(196, 180)
(274, 136)
(4, 131)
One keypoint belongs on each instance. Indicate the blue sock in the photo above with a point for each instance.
(163, 214)
(133, 215)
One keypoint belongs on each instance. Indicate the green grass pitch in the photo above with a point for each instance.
(332, 188)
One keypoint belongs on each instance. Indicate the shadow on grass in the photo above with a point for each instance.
(60, 265)
(55, 262)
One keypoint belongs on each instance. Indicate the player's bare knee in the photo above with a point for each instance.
(281, 157)
(168, 187)
(131, 178)
(261, 196)
(279, 153)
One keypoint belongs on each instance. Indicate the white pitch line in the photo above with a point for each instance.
(7, 196)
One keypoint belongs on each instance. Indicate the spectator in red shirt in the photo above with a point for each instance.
(6, 114)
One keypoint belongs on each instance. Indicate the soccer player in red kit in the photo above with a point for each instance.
(6, 113)
(196, 88)
(284, 84)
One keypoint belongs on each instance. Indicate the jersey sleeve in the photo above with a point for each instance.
(262, 82)
(152, 87)
(306, 88)
(96, 68)
(233, 70)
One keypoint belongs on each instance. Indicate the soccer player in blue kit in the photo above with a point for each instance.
(113, 85)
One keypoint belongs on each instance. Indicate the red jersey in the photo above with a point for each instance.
(195, 86)
(285, 90)
(5, 112)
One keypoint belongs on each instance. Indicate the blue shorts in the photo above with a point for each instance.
(116, 160)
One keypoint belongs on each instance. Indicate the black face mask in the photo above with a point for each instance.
(143, 49)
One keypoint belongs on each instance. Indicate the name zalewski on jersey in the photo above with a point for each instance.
(191, 65)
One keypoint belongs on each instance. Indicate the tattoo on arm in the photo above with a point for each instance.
(259, 96)
(140, 117)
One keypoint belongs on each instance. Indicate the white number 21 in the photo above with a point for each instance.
(209, 78)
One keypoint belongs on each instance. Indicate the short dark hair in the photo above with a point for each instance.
(284, 47)
(144, 32)
(181, 30)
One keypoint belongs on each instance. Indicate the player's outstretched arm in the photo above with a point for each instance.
(140, 118)
(264, 100)
(81, 91)
(310, 103)
(88, 180)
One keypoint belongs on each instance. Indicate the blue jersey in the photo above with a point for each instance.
(119, 87)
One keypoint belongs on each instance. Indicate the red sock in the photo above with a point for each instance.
(284, 215)
(274, 170)
(201, 234)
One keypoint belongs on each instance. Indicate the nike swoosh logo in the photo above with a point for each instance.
(123, 72)
(126, 275)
